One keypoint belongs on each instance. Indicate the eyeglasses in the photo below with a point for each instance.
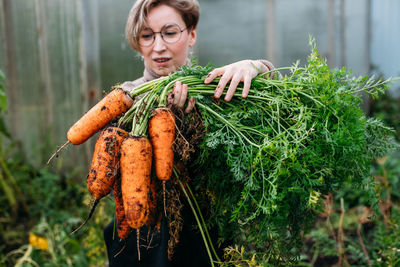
(170, 33)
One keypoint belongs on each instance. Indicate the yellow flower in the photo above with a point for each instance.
(38, 242)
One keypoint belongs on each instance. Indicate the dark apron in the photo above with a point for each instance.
(190, 251)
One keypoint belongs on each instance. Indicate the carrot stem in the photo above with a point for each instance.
(197, 219)
(114, 226)
(203, 222)
(240, 134)
(142, 114)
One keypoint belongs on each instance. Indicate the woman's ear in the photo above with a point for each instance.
(192, 37)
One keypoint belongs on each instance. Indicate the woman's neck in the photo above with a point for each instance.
(149, 74)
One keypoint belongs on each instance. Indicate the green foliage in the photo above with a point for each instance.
(387, 109)
(3, 104)
(36, 201)
(267, 157)
(55, 206)
(380, 233)
(378, 229)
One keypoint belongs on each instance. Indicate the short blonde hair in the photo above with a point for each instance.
(189, 10)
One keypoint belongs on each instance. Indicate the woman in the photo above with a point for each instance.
(163, 31)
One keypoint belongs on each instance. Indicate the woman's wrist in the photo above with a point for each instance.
(264, 65)
(268, 66)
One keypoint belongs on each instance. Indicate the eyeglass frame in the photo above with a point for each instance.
(162, 36)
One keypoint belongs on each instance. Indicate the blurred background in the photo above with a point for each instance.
(58, 57)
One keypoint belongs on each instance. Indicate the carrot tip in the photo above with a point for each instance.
(96, 201)
(164, 198)
(137, 241)
(122, 249)
(55, 154)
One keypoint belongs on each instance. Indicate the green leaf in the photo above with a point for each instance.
(3, 128)
(3, 101)
(2, 77)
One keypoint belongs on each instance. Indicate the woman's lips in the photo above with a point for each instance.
(161, 61)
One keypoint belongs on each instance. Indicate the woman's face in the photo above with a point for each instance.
(161, 57)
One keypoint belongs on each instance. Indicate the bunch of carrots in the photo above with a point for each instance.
(122, 161)
(263, 135)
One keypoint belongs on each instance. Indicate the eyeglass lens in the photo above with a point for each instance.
(170, 33)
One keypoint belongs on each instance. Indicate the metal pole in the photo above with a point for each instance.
(271, 32)
(343, 33)
(44, 61)
(10, 64)
(331, 34)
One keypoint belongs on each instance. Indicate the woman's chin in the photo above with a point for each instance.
(164, 71)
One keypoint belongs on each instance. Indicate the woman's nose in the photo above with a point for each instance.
(159, 44)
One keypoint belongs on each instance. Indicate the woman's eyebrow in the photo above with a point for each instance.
(165, 25)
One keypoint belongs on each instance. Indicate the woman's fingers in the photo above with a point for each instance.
(190, 105)
(184, 91)
(213, 74)
(170, 98)
(236, 79)
(178, 97)
(241, 71)
(246, 85)
(177, 93)
(225, 78)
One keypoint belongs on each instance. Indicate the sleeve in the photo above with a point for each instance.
(270, 67)
(130, 85)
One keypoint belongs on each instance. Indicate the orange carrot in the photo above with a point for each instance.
(135, 162)
(112, 105)
(162, 136)
(152, 200)
(123, 228)
(105, 159)
(104, 166)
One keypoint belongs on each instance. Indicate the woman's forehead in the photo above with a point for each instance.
(161, 15)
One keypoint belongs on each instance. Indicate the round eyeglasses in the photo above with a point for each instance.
(170, 33)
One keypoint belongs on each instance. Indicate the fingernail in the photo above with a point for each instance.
(206, 80)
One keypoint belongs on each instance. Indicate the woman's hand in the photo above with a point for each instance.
(178, 97)
(241, 71)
